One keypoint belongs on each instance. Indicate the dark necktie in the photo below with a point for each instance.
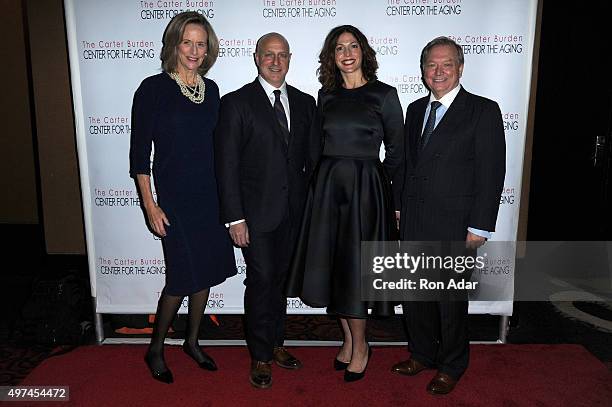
(429, 126)
(281, 115)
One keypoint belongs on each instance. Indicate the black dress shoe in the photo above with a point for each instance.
(161, 376)
(261, 374)
(354, 376)
(207, 363)
(338, 365)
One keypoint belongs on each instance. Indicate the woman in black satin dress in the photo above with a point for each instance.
(350, 198)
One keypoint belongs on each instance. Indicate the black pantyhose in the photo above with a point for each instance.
(167, 308)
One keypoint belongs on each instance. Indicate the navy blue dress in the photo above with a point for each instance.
(197, 248)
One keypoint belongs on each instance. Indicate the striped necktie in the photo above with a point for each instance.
(429, 126)
(281, 116)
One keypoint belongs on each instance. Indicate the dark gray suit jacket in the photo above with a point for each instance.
(259, 177)
(456, 181)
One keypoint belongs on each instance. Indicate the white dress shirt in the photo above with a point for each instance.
(269, 89)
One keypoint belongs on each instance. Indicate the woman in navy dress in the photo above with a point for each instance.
(350, 198)
(176, 111)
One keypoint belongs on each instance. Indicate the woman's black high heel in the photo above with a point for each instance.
(208, 363)
(338, 365)
(164, 377)
(353, 376)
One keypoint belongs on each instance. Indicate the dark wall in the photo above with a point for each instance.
(57, 157)
(38, 170)
(17, 166)
(570, 191)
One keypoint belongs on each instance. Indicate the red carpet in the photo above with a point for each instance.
(499, 375)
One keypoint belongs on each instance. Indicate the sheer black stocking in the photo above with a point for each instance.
(167, 307)
(197, 303)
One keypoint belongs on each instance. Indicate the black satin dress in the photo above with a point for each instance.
(349, 198)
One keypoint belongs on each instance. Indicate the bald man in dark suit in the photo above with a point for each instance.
(263, 163)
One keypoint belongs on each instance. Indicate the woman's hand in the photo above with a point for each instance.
(157, 220)
(155, 215)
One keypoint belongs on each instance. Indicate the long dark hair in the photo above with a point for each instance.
(329, 74)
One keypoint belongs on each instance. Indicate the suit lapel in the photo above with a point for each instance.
(416, 128)
(443, 133)
(293, 111)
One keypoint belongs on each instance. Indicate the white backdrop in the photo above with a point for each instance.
(114, 45)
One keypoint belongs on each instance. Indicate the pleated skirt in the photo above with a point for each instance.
(349, 201)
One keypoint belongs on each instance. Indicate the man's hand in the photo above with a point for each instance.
(397, 219)
(473, 241)
(240, 234)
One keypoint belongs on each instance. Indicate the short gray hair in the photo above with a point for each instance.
(441, 41)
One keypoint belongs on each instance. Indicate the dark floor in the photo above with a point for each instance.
(31, 330)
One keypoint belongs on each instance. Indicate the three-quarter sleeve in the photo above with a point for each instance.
(393, 125)
(143, 127)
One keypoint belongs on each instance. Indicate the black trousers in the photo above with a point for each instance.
(265, 304)
(438, 335)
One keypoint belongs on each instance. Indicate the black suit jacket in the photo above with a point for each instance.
(259, 177)
(456, 181)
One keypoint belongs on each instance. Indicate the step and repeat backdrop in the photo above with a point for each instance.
(115, 44)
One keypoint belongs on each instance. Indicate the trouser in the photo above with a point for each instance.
(267, 259)
(438, 334)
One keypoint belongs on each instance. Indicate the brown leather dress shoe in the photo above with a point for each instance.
(408, 367)
(441, 384)
(261, 374)
(285, 359)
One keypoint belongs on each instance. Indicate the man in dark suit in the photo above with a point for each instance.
(454, 174)
(263, 162)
